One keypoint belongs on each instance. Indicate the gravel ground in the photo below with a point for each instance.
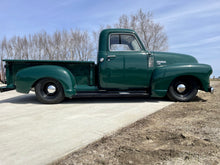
(182, 133)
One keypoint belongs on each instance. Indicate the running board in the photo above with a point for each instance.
(112, 94)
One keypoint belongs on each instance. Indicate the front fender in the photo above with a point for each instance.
(26, 78)
(163, 76)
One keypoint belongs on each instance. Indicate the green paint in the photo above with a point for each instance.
(126, 70)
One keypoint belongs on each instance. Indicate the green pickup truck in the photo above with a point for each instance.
(124, 67)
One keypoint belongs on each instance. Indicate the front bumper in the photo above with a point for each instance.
(211, 90)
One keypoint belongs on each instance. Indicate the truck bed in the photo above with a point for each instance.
(83, 71)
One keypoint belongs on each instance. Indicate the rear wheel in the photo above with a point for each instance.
(183, 89)
(49, 91)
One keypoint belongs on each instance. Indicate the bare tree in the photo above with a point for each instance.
(95, 36)
(152, 34)
(81, 45)
(77, 44)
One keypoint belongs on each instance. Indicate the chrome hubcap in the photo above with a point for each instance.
(181, 88)
(51, 89)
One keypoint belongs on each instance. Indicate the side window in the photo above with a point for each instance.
(123, 42)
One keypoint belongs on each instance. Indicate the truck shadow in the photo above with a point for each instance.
(23, 99)
(96, 100)
(31, 99)
(199, 99)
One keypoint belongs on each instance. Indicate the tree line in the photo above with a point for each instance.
(75, 44)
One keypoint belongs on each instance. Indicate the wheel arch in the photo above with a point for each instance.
(52, 95)
(27, 78)
(198, 81)
(183, 88)
(162, 77)
(37, 81)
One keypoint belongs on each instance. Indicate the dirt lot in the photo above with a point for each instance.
(183, 133)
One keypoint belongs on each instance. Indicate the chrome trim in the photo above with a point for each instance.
(211, 90)
(181, 88)
(150, 61)
(51, 89)
(101, 59)
(111, 56)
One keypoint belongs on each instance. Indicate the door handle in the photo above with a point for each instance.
(101, 59)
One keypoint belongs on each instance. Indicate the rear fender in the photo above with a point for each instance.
(163, 76)
(27, 78)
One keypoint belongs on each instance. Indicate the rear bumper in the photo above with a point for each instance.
(6, 88)
(211, 90)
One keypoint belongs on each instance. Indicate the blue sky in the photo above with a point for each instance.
(193, 27)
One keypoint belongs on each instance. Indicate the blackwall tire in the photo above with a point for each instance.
(183, 89)
(49, 91)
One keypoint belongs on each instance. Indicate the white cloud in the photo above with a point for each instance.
(198, 43)
(204, 9)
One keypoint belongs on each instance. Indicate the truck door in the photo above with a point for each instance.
(125, 65)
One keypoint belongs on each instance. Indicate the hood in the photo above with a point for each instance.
(167, 58)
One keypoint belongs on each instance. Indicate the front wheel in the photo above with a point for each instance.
(49, 91)
(183, 89)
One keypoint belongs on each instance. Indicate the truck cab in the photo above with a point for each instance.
(123, 61)
(124, 67)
